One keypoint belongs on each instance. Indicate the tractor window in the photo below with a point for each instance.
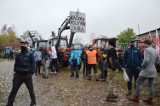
(102, 42)
(43, 44)
(98, 43)
(63, 43)
(105, 43)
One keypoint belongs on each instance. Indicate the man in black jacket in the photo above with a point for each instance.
(24, 68)
(112, 68)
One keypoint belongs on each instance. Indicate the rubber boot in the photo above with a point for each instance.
(96, 76)
(110, 98)
(89, 77)
(129, 93)
(134, 99)
(114, 96)
(149, 101)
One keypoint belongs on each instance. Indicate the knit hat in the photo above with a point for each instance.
(90, 47)
(147, 41)
(112, 42)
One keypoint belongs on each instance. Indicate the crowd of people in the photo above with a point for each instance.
(26, 64)
(9, 54)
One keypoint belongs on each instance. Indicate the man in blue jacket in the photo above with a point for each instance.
(132, 63)
(24, 68)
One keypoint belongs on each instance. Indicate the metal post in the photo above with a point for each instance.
(139, 29)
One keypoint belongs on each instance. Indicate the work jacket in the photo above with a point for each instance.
(132, 58)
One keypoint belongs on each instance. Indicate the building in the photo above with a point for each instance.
(152, 33)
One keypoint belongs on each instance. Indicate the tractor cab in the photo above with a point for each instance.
(101, 41)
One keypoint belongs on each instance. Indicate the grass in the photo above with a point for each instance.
(144, 87)
(1, 60)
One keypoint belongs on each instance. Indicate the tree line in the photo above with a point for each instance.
(8, 36)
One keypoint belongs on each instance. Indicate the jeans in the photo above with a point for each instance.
(85, 72)
(38, 65)
(18, 80)
(45, 68)
(100, 66)
(94, 68)
(55, 64)
(132, 72)
(74, 67)
(140, 81)
(104, 73)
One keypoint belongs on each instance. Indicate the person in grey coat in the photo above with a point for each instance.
(149, 72)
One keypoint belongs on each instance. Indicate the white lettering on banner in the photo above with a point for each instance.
(77, 22)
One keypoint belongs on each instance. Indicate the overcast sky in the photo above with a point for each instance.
(103, 17)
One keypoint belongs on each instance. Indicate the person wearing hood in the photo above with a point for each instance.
(132, 63)
(24, 68)
(91, 56)
(75, 62)
(54, 59)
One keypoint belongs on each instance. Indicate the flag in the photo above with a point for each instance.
(150, 37)
(157, 44)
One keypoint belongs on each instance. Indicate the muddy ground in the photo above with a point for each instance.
(61, 90)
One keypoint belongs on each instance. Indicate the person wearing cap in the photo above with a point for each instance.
(24, 68)
(149, 72)
(132, 63)
(113, 70)
(91, 56)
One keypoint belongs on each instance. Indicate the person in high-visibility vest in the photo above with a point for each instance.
(92, 55)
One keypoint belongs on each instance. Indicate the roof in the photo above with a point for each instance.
(152, 32)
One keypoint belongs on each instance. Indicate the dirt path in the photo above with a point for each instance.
(59, 90)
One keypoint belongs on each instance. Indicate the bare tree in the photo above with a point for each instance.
(11, 29)
(4, 30)
(25, 35)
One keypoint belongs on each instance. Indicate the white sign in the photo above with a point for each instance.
(77, 22)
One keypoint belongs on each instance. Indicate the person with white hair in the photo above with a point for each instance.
(54, 59)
